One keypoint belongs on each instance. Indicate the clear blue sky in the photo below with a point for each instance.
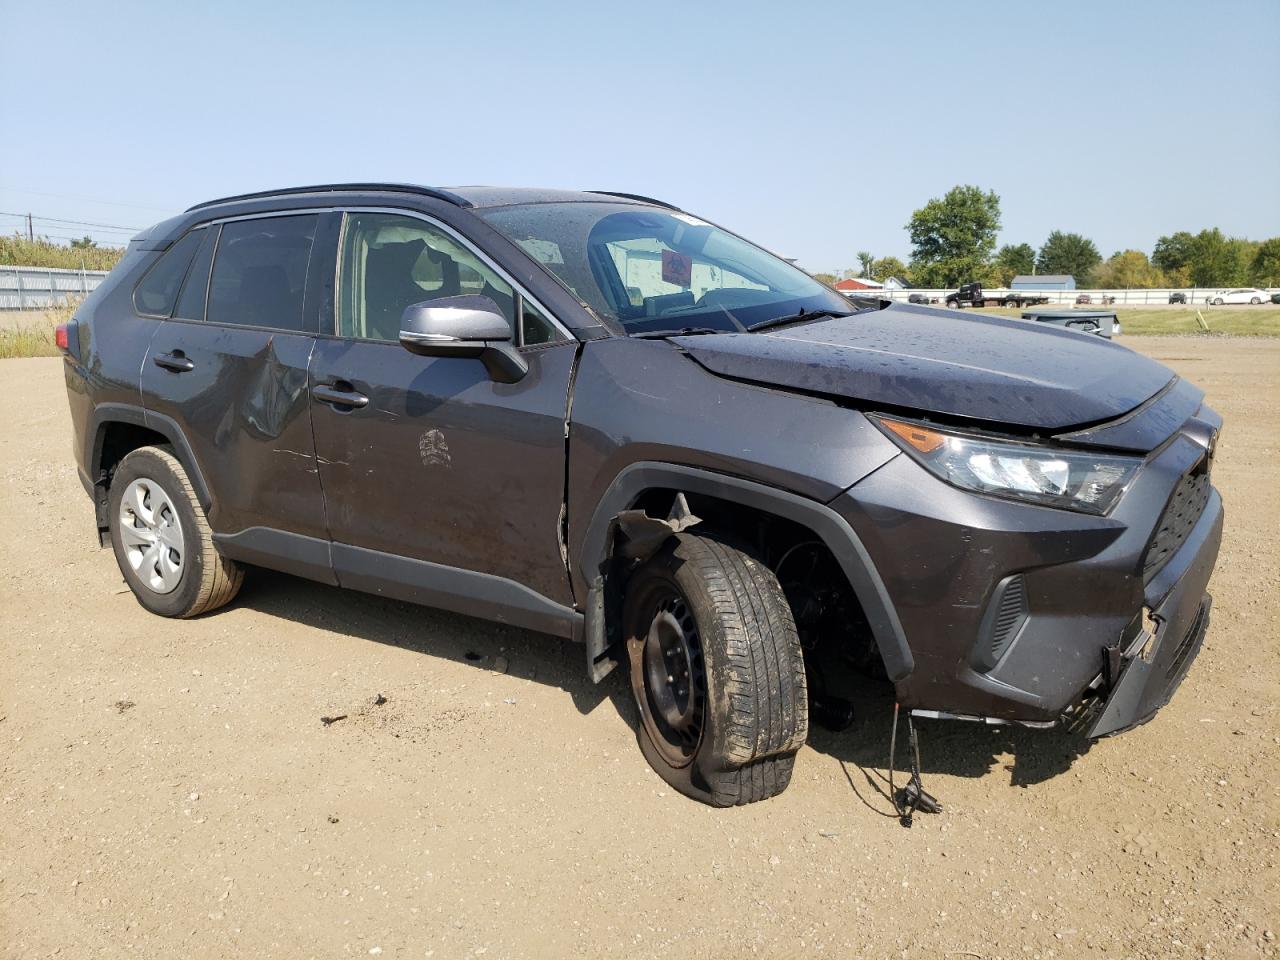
(813, 128)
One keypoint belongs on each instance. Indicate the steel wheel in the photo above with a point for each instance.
(668, 677)
(152, 536)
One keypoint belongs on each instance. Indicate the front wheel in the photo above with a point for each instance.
(162, 539)
(1255, 301)
(1217, 301)
(716, 670)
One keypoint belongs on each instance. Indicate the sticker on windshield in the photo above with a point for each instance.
(677, 269)
(691, 221)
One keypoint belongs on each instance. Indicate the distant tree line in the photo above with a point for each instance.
(85, 254)
(953, 241)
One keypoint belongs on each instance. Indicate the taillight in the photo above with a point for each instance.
(67, 337)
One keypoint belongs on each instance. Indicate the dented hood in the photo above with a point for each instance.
(971, 366)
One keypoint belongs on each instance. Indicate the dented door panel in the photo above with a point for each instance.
(244, 408)
(442, 464)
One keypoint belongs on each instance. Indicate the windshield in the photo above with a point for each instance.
(655, 270)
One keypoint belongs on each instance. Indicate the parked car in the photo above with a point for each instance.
(1177, 297)
(598, 416)
(1275, 298)
(1239, 295)
(918, 298)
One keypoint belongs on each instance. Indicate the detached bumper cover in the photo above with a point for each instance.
(1179, 604)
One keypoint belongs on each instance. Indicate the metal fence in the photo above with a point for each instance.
(35, 288)
(1133, 298)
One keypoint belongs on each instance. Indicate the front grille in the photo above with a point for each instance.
(1179, 517)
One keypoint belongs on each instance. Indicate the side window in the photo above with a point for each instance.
(155, 294)
(390, 262)
(191, 300)
(260, 272)
(535, 328)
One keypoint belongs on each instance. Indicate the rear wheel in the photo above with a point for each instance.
(162, 540)
(1255, 301)
(716, 670)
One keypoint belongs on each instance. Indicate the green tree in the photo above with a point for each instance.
(1264, 271)
(1069, 254)
(1014, 260)
(886, 267)
(865, 259)
(84, 243)
(1129, 269)
(828, 278)
(1174, 253)
(953, 238)
(1215, 260)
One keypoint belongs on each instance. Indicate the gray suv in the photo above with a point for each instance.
(598, 416)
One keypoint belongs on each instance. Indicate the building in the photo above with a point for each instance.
(853, 286)
(1044, 281)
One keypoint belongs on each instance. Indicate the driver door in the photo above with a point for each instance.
(440, 485)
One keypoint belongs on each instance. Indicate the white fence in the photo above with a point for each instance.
(1131, 298)
(34, 288)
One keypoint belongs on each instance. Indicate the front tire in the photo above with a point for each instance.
(716, 670)
(1255, 301)
(1217, 302)
(162, 541)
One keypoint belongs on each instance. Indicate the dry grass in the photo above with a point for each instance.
(35, 339)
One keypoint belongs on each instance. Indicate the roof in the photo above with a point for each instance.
(475, 196)
(857, 283)
(1043, 278)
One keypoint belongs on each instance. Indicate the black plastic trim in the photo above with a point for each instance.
(637, 197)
(279, 550)
(105, 413)
(833, 529)
(413, 188)
(450, 588)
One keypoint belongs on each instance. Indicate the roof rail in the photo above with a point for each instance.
(342, 187)
(635, 196)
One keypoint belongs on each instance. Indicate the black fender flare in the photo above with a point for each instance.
(105, 414)
(829, 526)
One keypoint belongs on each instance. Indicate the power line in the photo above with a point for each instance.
(81, 223)
(68, 196)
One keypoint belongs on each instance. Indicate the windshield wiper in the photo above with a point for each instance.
(683, 332)
(796, 318)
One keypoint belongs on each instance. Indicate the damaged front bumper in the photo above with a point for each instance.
(1139, 676)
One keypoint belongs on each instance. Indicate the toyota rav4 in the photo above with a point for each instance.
(598, 416)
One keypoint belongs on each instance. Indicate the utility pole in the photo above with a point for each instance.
(30, 233)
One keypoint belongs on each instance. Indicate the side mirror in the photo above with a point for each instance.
(466, 326)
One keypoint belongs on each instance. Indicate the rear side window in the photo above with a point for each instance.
(191, 300)
(155, 294)
(260, 272)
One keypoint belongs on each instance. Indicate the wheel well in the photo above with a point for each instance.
(833, 628)
(116, 440)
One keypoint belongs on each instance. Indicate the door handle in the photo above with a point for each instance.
(340, 394)
(176, 362)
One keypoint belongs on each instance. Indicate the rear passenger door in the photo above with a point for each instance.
(229, 368)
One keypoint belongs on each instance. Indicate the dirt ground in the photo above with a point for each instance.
(169, 790)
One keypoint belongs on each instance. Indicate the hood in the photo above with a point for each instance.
(963, 365)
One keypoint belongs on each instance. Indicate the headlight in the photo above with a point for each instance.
(1072, 479)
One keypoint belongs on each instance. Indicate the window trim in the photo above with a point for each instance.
(133, 294)
(519, 289)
